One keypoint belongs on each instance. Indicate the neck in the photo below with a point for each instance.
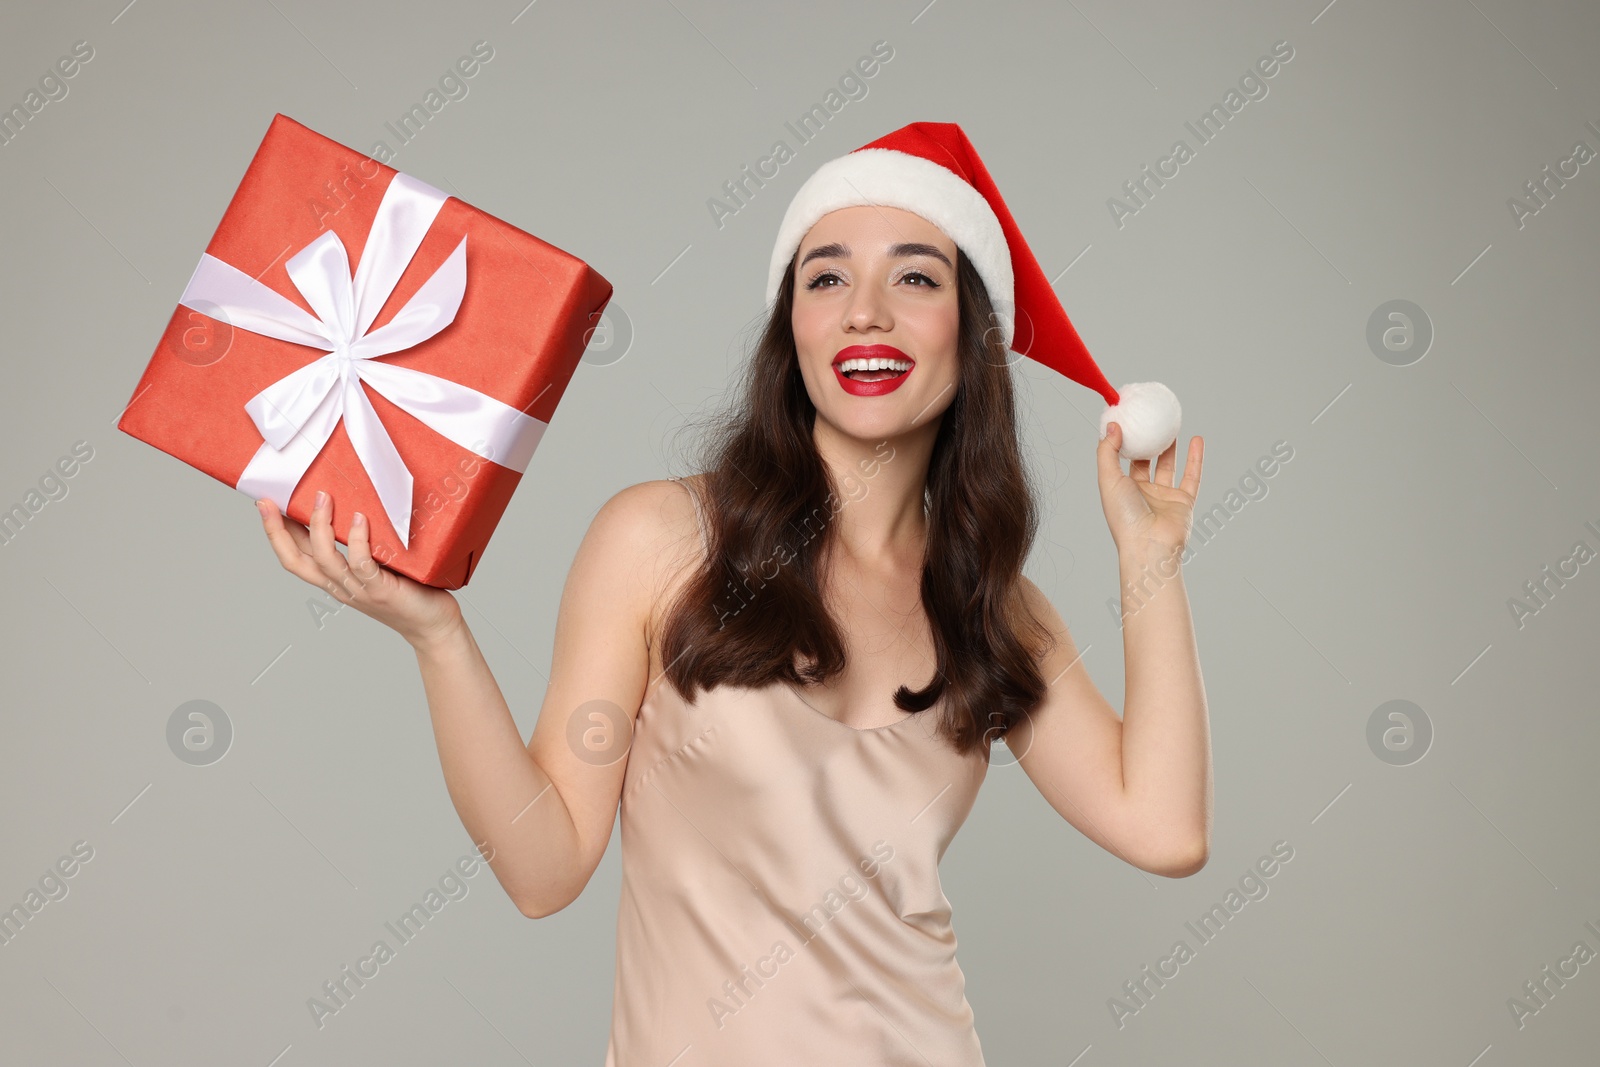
(882, 482)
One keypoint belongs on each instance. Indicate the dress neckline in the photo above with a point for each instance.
(664, 684)
(789, 688)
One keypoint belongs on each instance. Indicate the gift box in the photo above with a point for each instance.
(353, 329)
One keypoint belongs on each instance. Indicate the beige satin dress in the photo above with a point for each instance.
(781, 904)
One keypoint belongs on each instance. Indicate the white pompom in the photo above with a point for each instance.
(1149, 416)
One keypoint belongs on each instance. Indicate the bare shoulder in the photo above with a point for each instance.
(1034, 600)
(640, 526)
(649, 535)
(1060, 647)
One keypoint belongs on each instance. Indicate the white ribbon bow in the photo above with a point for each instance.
(297, 413)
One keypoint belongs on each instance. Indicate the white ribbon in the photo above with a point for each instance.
(297, 413)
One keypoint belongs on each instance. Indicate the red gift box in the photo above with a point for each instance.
(403, 349)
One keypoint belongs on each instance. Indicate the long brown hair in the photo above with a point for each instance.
(768, 499)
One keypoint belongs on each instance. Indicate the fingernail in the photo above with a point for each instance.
(358, 519)
(322, 498)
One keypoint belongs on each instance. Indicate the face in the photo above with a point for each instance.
(877, 283)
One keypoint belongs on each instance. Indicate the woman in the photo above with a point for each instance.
(789, 676)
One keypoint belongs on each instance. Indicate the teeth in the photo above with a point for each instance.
(874, 364)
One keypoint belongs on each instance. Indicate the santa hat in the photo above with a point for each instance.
(930, 168)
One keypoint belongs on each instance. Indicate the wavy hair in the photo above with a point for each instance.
(757, 606)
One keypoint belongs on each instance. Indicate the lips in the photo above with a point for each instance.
(871, 388)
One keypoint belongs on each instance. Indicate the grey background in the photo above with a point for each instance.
(1378, 565)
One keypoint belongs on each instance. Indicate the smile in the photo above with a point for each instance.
(872, 370)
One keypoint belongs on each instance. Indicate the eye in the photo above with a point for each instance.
(816, 282)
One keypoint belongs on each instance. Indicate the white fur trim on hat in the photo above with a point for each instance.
(1149, 415)
(892, 178)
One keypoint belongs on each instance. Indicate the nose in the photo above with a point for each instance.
(866, 309)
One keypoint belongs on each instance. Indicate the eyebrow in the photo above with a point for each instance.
(836, 250)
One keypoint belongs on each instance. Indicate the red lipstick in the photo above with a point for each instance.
(872, 388)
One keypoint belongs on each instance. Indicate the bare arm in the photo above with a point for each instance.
(542, 811)
(1166, 730)
(506, 802)
(1140, 785)
(548, 808)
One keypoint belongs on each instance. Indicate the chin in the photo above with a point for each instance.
(885, 421)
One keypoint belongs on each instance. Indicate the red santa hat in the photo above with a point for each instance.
(930, 168)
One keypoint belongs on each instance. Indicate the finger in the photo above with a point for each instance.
(1191, 467)
(300, 535)
(1106, 458)
(1139, 470)
(325, 550)
(1166, 464)
(358, 550)
(284, 544)
(297, 530)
